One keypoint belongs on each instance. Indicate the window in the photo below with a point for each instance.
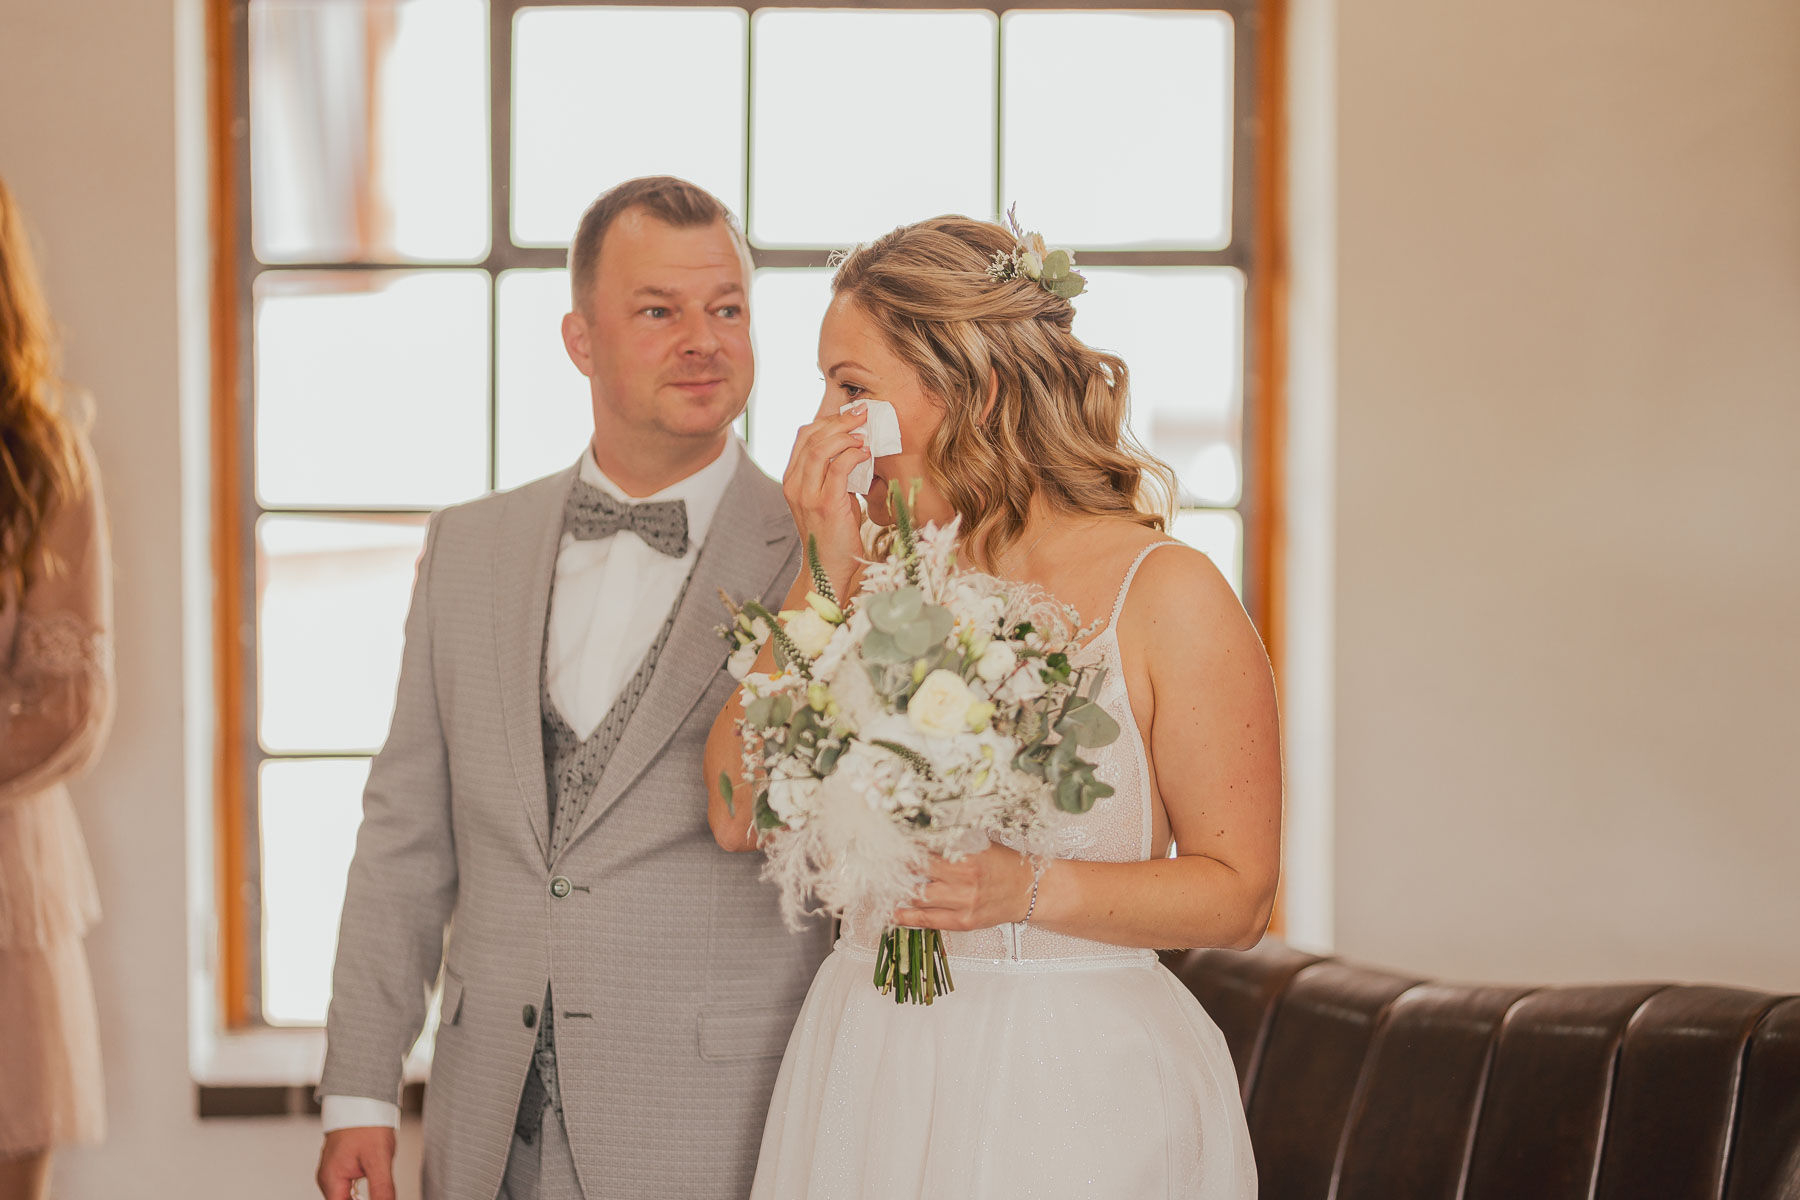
(399, 180)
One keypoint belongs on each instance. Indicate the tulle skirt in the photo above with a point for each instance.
(1064, 1078)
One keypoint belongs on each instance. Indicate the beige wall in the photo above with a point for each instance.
(99, 105)
(1568, 511)
(1565, 584)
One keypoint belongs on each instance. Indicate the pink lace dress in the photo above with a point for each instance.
(55, 703)
(1058, 1068)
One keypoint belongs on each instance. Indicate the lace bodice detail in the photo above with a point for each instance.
(55, 705)
(1117, 829)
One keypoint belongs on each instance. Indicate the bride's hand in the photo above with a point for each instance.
(816, 485)
(981, 891)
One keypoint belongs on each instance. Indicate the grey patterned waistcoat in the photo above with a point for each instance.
(572, 770)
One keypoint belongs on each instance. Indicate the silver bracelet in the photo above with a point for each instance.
(1037, 877)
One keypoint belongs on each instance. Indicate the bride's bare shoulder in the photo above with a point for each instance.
(1179, 590)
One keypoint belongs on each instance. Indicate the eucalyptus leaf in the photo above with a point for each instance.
(1088, 724)
(756, 714)
(1067, 288)
(1068, 793)
(765, 816)
(803, 723)
(889, 611)
(913, 638)
(1056, 265)
(879, 647)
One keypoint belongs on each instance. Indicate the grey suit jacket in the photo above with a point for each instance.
(675, 981)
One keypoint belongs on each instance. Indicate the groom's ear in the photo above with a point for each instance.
(575, 341)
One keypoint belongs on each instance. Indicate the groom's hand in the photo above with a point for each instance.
(362, 1152)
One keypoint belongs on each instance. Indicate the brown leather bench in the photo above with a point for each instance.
(1365, 1085)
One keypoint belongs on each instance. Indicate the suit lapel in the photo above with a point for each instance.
(746, 545)
(524, 565)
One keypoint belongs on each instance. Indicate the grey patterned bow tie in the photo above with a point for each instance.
(590, 513)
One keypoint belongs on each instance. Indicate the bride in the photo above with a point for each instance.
(1067, 1062)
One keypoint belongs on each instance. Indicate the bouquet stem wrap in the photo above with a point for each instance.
(911, 965)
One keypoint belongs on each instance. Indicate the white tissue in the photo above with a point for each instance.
(882, 433)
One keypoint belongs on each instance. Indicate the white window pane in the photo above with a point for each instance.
(309, 813)
(331, 617)
(371, 388)
(1118, 127)
(545, 413)
(868, 120)
(602, 95)
(368, 130)
(1218, 534)
(786, 307)
(1181, 332)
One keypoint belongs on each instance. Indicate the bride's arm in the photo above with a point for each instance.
(814, 486)
(1215, 744)
(724, 755)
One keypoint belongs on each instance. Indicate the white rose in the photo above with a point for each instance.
(996, 662)
(810, 631)
(940, 707)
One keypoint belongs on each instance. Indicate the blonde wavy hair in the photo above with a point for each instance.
(40, 465)
(1056, 426)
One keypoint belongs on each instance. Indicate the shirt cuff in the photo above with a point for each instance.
(350, 1112)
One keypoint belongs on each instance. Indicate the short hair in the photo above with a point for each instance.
(670, 200)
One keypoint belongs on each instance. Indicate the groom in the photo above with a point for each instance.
(617, 992)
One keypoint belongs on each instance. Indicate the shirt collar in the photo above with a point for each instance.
(702, 491)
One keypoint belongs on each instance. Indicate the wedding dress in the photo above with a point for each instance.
(1058, 1067)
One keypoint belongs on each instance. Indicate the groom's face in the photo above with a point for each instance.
(664, 332)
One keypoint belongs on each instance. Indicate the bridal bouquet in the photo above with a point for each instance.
(936, 711)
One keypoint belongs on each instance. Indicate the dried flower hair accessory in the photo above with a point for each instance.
(1031, 258)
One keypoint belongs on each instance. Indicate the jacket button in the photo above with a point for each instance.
(559, 887)
(530, 1016)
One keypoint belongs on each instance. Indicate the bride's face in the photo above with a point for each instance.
(857, 364)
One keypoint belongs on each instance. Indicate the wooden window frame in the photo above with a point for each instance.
(1256, 248)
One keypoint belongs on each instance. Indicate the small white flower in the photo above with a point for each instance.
(742, 659)
(941, 705)
(792, 796)
(1022, 687)
(810, 631)
(845, 639)
(996, 662)
(1031, 265)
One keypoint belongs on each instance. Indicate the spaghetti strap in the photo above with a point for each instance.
(1119, 604)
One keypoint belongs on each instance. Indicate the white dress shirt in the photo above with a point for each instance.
(609, 601)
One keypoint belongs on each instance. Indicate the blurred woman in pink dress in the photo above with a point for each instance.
(55, 704)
